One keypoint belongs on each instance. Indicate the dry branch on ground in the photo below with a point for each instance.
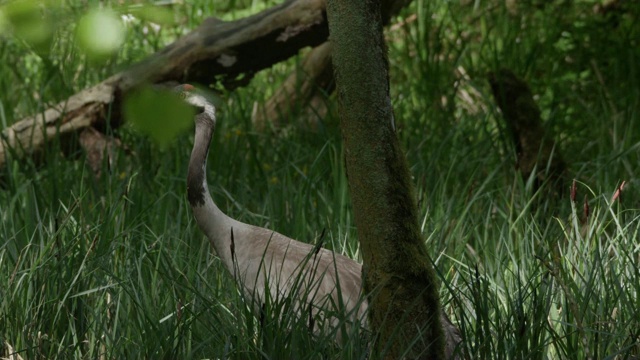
(217, 51)
(229, 52)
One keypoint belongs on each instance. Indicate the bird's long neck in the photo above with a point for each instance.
(213, 222)
(197, 190)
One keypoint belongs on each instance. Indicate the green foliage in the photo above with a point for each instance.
(116, 267)
(160, 114)
(100, 33)
(24, 20)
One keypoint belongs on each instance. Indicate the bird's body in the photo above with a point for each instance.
(261, 259)
(267, 265)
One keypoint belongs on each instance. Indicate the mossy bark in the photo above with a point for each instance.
(397, 271)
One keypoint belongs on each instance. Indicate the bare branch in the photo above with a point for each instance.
(214, 49)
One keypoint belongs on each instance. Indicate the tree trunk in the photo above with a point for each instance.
(397, 272)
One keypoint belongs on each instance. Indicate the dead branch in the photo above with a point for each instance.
(98, 145)
(301, 88)
(535, 150)
(216, 50)
(303, 93)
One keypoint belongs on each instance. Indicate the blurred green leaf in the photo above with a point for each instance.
(154, 14)
(27, 21)
(100, 33)
(4, 22)
(159, 114)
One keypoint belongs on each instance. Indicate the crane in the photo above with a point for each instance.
(266, 264)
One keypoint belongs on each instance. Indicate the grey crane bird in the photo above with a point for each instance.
(266, 263)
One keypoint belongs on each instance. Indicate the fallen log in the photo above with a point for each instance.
(229, 52)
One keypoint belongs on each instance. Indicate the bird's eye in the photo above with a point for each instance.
(183, 90)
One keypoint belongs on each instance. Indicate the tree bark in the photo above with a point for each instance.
(397, 272)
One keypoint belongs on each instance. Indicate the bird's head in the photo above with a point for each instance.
(204, 108)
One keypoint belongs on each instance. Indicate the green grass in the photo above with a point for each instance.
(115, 267)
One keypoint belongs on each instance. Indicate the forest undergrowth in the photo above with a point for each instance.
(115, 267)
